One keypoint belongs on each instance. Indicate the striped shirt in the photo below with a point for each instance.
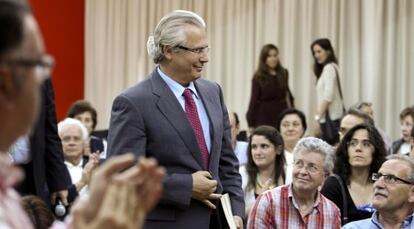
(277, 208)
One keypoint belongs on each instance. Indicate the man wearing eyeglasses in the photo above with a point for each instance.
(393, 195)
(180, 119)
(115, 201)
(38, 151)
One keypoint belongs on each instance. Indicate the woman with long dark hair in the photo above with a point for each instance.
(270, 93)
(265, 167)
(329, 99)
(360, 154)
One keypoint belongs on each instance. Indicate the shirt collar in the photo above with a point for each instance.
(375, 220)
(316, 205)
(175, 87)
(70, 165)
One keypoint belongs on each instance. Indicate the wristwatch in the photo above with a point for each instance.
(317, 118)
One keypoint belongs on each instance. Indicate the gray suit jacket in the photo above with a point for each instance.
(148, 120)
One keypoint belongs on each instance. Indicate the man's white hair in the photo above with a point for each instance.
(170, 32)
(71, 121)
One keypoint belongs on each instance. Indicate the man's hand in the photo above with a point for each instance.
(146, 177)
(238, 221)
(89, 167)
(204, 187)
(118, 210)
(63, 196)
(87, 171)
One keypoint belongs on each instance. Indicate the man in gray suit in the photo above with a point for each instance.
(180, 119)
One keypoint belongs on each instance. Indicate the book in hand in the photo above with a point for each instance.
(226, 205)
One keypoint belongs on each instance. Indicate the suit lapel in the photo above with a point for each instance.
(211, 108)
(173, 112)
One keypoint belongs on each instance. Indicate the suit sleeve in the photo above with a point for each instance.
(229, 168)
(58, 177)
(127, 133)
(126, 130)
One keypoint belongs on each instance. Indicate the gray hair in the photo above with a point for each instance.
(169, 32)
(408, 160)
(316, 145)
(71, 121)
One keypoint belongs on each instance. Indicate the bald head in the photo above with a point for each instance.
(347, 122)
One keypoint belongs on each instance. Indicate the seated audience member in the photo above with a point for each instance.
(118, 199)
(265, 167)
(239, 147)
(292, 127)
(352, 118)
(74, 135)
(38, 211)
(300, 204)
(360, 154)
(402, 145)
(393, 196)
(84, 112)
(366, 107)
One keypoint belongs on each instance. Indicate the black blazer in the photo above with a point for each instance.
(396, 145)
(46, 173)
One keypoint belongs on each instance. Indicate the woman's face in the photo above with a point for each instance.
(263, 151)
(360, 149)
(406, 125)
(320, 54)
(291, 128)
(86, 119)
(272, 58)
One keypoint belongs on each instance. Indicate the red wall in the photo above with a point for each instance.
(62, 25)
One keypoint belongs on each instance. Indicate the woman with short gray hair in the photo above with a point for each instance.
(316, 145)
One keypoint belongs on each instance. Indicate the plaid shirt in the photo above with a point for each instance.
(277, 208)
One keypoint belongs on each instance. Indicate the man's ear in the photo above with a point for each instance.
(411, 195)
(7, 87)
(168, 51)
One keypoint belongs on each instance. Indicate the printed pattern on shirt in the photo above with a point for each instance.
(276, 209)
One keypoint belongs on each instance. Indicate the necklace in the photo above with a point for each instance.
(261, 185)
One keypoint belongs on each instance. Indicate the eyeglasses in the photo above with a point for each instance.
(199, 51)
(43, 65)
(389, 178)
(310, 167)
(355, 142)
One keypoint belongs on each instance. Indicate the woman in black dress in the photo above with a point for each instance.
(270, 93)
(360, 154)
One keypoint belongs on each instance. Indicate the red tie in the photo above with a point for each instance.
(192, 115)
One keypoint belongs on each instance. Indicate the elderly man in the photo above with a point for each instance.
(393, 195)
(117, 200)
(74, 136)
(180, 119)
(300, 204)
